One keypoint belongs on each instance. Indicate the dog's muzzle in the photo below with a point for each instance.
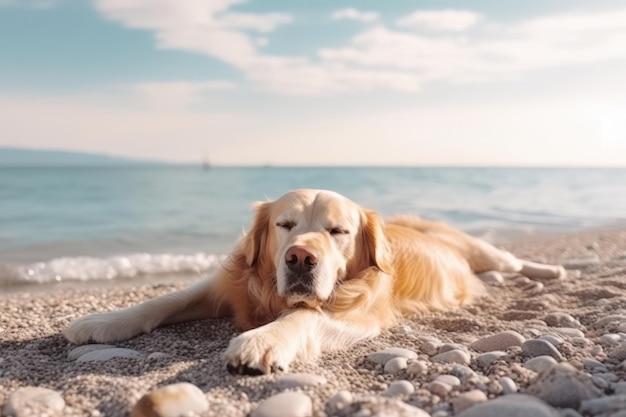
(301, 264)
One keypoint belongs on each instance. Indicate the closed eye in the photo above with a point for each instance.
(337, 231)
(286, 224)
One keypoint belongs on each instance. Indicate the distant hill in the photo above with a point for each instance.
(21, 157)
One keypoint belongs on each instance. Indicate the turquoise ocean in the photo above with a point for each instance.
(90, 224)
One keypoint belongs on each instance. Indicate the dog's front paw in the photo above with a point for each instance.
(101, 328)
(256, 353)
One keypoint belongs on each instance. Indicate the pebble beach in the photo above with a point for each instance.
(528, 348)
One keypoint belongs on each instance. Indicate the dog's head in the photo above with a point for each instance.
(313, 240)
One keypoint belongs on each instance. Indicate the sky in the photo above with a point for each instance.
(320, 82)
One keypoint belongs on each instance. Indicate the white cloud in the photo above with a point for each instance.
(447, 20)
(354, 14)
(500, 52)
(378, 58)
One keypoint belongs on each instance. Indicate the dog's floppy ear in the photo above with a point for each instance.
(374, 246)
(255, 240)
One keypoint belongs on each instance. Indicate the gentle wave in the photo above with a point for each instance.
(85, 268)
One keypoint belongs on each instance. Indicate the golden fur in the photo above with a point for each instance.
(316, 273)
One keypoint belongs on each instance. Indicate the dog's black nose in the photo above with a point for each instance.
(300, 260)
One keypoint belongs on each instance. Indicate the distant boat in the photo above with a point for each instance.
(205, 163)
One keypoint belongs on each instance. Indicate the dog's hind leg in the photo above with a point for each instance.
(202, 300)
(480, 255)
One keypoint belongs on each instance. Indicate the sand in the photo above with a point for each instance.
(34, 353)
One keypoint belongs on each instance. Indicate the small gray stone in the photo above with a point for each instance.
(567, 332)
(620, 388)
(446, 347)
(417, 368)
(381, 357)
(618, 353)
(536, 347)
(468, 399)
(559, 319)
(29, 401)
(610, 339)
(108, 354)
(81, 350)
(491, 278)
(563, 386)
(463, 372)
(453, 356)
(172, 400)
(611, 319)
(429, 348)
(514, 405)
(340, 400)
(299, 380)
(498, 341)
(395, 365)
(540, 363)
(396, 388)
(581, 342)
(603, 405)
(550, 338)
(286, 404)
(486, 359)
(439, 388)
(592, 364)
(568, 412)
(508, 385)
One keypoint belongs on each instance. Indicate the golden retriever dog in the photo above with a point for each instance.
(318, 273)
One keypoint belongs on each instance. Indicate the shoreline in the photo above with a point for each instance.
(33, 353)
(502, 239)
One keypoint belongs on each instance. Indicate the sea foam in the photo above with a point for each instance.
(86, 268)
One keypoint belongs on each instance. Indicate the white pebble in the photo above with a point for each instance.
(510, 405)
(81, 350)
(498, 341)
(451, 380)
(611, 339)
(567, 332)
(452, 356)
(381, 357)
(397, 388)
(439, 388)
(340, 400)
(468, 399)
(552, 339)
(540, 363)
(486, 359)
(417, 368)
(28, 400)
(286, 404)
(395, 365)
(172, 400)
(299, 380)
(108, 354)
(508, 385)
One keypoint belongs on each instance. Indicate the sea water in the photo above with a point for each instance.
(88, 224)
